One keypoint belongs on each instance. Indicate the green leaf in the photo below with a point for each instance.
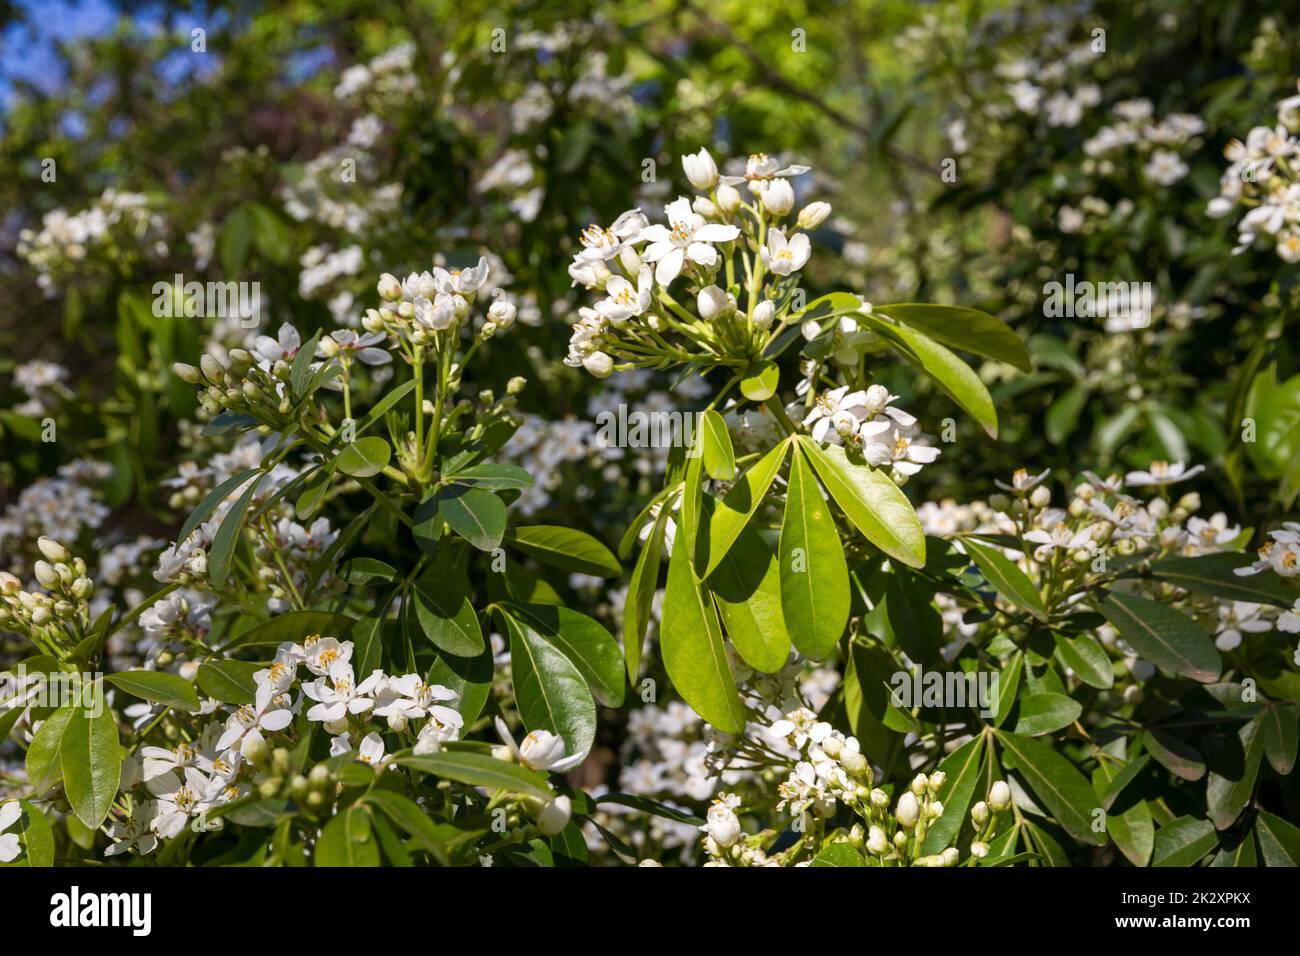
(292, 626)
(1122, 778)
(469, 677)
(1054, 780)
(347, 840)
(814, 575)
(747, 590)
(690, 642)
(361, 571)
(211, 500)
(1178, 757)
(235, 239)
(1164, 636)
(968, 330)
(590, 647)
(476, 515)
(719, 457)
(407, 816)
(871, 501)
(947, 371)
(301, 367)
(160, 687)
(652, 807)
(1007, 579)
(229, 681)
(45, 753)
(227, 536)
(732, 513)
(1280, 735)
(839, 854)
(447, 618)
(91, 757)
(638, 604)
(314, 491)
(1213, 574)
(1046, 713)
(493, 477)
(1279, 841)
(1063, 414)
(550, 692)
(962, 770)
(480, 770)
(365, 457)
(35, 837)
(1007, 685)
(1086, 658)
(760, 380)
(1228, 792)
(1183, 841)
(566, 549)
(1133, 830)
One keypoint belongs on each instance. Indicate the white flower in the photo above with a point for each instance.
(722, 823)
(1290, 620)
(782, 257)
(360, 347)
(759, 168)
(701, 170)
(1162, 473)
(371, 751)
(436, 314)
(178, 800)
(1022, 482)
(1059, 536)
(10, 846)
(338, 694)
(687, 236)
(540, 750)
(1236, 618)
(554, 817)
(410, 697)
(625, 300)
(244, 727)
(283, 348)
(813, 215)
(598, 364)
(1165, 168)
(777, 196)
(713, 302)
(461, 281)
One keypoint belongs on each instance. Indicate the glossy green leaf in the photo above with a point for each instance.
(1183, 841)
(1280, 736)
(365, 457)
(567, 549)
(45, 753)
(347, 839)
(229, 681)
(814, 575)
(212, 499)
(408, 817)
(293, 626)
(1046, 713)
(1086, 658)
(641, 594)
(746, 588)
(222, 552)
(1007, 579)
(157, 686)
(732, 513)
(583, 640)
(1228, 790)
(839, 854)
(962, 775)
(1133, 830)
(447, 618)
(1007, 685)
(968, 330)
(480, 770)
(550, 692)
(760, 380)
(475, 514)
(719, 457)
(875, 505)
(1279, 840)
(91, 756)
(494, 476)
(1214, 574)
(690, 641)
(1166, 637)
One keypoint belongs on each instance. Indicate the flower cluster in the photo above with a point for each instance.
(1157, 143)
(1261, 177)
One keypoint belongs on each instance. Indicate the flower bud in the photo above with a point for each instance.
(186, 373)
(877, 842)
(728, 199)
(778, 197)
(503, 313)
(879, 799)
(1000, 796)
(319, 777)
(52, 549)
(212, 369)
(723, 826)
(701, 170)
(979, 850)
(389, 288)
(810, 329)
(83, 588)
(41, 616)
(1040, 497)
(9, 584)
(516, 385)
(713, 302)
(950, 856)
(764, 313)
(703, 206)
(979, 814)
(908, 811)
(46, 575)
(256, 750)
(554, 817)
(936, 781)
(598, 364)
(813, 215)
(919, 784)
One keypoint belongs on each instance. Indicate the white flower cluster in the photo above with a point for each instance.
(389, 77)
(42, 382)
(222, 764)
(865, 420)
(117, 223)
(60, 508)
(340, 188)
(1261, 176)
(1159, 142)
